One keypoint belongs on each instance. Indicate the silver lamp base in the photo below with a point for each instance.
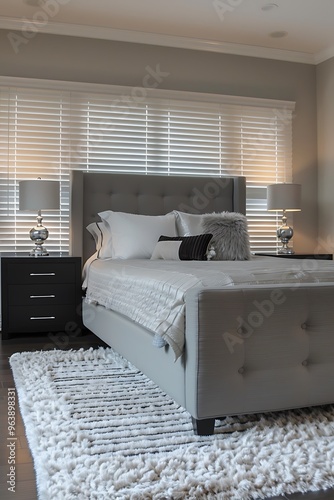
(38, 235)
(285, 233)
(38, 251)
(286, 250)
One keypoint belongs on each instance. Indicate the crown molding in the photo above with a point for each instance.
(324, 55)
(97, 32)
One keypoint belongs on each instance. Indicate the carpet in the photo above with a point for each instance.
(99, 429)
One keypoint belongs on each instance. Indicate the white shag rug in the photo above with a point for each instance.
(99, 429)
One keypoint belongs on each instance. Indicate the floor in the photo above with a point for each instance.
(25, 487)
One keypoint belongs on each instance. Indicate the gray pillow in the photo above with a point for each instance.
(230, 235)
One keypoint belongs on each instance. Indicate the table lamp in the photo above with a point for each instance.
(39, 195)
(286, 198)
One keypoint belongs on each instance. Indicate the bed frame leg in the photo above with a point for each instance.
(203, 427)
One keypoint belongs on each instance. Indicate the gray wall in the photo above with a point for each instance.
(101, 61)
(325, 100)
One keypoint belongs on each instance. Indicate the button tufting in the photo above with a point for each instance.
(304, 326)
(305, 362)
(241, 370)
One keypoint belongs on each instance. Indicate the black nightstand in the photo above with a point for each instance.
(40, 294)
(321, 256)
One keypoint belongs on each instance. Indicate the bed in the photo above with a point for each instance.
(254, 345)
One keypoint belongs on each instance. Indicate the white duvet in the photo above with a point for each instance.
(152, 293)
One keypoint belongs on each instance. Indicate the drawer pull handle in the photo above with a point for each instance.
(42, 296)
(42, 274)
(42, 317)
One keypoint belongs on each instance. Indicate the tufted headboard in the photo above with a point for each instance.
(93, 192)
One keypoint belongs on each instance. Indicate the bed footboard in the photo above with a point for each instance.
(251, 350)
(248, 350)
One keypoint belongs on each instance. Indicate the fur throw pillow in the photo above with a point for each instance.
(230, 235)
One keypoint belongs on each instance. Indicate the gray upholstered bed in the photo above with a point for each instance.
(285, 361)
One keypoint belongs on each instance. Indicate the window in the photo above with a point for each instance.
(48, 131)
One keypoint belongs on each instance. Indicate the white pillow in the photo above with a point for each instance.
(95, 231)
(166, 250)
(102, 236)
(135, 236)
(188, 224)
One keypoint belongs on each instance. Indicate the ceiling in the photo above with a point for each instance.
(292, 30)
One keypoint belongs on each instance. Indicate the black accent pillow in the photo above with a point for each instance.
(189, 248)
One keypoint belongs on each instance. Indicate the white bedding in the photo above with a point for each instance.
(152, 293)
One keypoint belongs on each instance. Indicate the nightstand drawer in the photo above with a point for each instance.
(39, 295)
(41, 272)
(40, 318)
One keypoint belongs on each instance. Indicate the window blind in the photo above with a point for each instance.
(48, 132)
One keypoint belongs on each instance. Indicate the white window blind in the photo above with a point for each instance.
(48, 132)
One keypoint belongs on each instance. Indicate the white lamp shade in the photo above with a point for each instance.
(284, 197)
(39, 195)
